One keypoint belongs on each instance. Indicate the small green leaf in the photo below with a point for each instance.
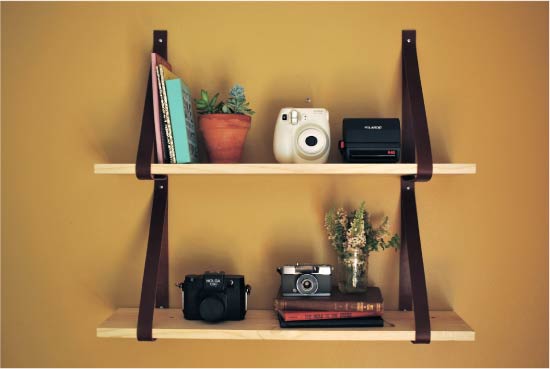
(215, 98)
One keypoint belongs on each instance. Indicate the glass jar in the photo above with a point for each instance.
(353, 268)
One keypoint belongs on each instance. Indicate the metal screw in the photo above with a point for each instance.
(160, 40)
(161, 187)
(161, 307)
(409, 40)
(308, 100)
(408, 188)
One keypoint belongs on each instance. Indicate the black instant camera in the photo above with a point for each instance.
(214, 297)
(371, 140)
(305, 280)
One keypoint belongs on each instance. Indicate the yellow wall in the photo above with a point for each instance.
(73, 243)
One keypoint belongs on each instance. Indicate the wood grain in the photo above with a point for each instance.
(391, 169)
(263, 325)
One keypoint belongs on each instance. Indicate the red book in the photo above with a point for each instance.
(294, 315)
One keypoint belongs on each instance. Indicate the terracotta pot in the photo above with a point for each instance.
(224, 135)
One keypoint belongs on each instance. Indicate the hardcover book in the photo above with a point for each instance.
(160, 136)
(333, 323)
(370, 301)
(164, 74)
(182, 121)
(294, 315)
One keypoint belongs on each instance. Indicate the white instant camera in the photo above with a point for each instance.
(302, 135)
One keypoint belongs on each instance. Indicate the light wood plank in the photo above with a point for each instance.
(263, 325)
(257, 168)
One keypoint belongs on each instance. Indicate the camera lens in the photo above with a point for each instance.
(212, 309)
(307, 284)
(311, 140)
(285, 116)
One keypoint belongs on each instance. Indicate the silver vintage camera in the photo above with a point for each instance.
(305, 279)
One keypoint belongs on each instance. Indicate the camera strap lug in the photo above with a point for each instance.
(247, 289)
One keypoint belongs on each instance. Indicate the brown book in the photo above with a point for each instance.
(297, 315)
(370, 301)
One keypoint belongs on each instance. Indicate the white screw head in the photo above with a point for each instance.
(161, 40)
(161, 187)
(308, 100)
(409, 40)
(408, 188)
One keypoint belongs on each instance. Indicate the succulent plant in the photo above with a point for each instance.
(205, 105)
(236, 103)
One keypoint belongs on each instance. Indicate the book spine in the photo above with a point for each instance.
(177, 119)
(190, 125)
(162, 151)
(160, 139)
(290, 316)
(166, 114)
(321, 305)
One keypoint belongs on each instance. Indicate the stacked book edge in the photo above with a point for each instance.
(338, 310)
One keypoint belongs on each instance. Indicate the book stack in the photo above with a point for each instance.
(338, 310)
(175, 134)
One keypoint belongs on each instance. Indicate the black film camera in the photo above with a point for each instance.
(214, 297)
(371, 140)
(305, 280)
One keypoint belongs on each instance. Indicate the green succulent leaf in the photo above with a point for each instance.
(235, 104)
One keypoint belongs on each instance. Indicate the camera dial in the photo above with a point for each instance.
(212, 309)
(307, 284)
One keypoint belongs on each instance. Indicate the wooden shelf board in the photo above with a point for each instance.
(258, 168)
(263, 325)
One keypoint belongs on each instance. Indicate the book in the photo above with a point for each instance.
(370, 301)
(333, 323)
(182, 121)
(163, 74)
(160, 136)
(293, 315)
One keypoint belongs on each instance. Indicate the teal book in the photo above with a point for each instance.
(183, 123)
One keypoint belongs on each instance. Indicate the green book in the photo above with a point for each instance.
(182, 121)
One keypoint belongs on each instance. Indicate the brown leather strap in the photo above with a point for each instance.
(154, 287)
(415, 262)
(146, 146)
(152, 261)
(415, 148)
(407, 156)
(415, 107)
(162, 279)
